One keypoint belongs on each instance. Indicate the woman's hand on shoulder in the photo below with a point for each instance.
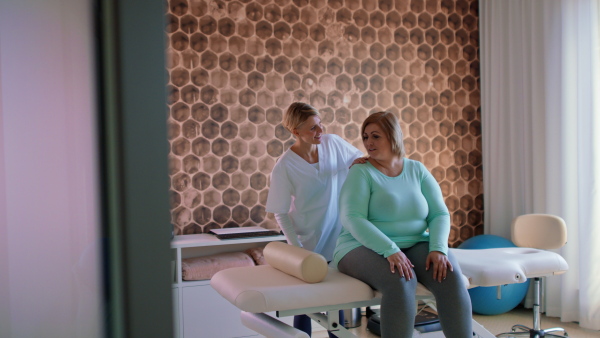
(441, 265)
(399, 261)
(360, 160)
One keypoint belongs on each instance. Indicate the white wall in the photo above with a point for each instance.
(49, 219)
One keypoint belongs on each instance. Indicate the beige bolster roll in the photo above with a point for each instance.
(306, 265)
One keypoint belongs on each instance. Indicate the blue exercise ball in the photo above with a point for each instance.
(486, 242)
(484, 299)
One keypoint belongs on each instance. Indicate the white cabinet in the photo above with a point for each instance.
(176, 331)
(202, 319)
(199, 310)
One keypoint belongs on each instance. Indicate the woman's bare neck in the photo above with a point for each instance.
(309, 152)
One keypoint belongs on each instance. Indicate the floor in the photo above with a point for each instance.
(495, 324)
(502, 323)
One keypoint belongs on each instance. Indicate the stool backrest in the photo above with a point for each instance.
(540, 231)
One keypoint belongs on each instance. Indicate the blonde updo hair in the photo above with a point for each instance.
(296, 114)
(391, 128)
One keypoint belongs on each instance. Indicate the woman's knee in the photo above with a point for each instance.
(456, 277)
(394, 284)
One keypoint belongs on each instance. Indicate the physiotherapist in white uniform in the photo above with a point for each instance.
(305, 186)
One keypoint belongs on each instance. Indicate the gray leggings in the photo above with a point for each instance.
(398, 304)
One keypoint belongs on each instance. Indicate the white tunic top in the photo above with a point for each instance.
(309, 194)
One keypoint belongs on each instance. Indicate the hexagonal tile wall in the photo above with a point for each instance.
(235, 66)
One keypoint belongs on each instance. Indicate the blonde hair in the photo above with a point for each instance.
(391, 128)
(296, 114)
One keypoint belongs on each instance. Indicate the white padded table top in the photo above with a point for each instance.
(264, 289)
(499, 266)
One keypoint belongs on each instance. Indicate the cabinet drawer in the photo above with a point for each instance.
(207, 314)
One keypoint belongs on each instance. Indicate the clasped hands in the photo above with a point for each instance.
(436, 260)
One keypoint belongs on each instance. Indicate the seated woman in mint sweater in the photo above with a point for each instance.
(395, 229)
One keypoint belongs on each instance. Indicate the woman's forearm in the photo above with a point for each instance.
(287, 226)
(438, 219)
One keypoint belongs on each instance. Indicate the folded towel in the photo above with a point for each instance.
(199, 268)
(257, 255)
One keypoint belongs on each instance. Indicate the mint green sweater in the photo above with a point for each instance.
(388, 213)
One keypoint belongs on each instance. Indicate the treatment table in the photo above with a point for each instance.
(296, 281)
